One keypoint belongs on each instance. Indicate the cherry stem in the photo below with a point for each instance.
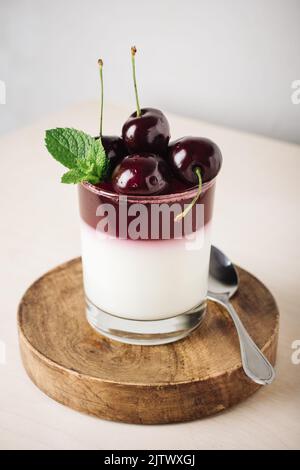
(138, 109)
(100, 63)
(191, 205)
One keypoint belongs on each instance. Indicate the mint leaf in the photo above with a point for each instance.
(81, 153)
(95, 165)
(73, 176)
(76, 176)
(99, 159)
(68, 145)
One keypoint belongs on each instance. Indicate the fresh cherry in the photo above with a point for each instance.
(141, 174)
(114, 149)
(188, 153)
(147, 129)
(147, 132)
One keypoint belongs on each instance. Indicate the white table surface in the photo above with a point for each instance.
(256, 222)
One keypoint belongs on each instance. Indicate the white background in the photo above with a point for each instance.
(226, 61)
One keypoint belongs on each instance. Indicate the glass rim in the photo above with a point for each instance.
(159, 198)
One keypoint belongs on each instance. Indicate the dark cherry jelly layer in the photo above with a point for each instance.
(90, 200)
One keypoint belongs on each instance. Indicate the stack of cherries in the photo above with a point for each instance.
(145, 162)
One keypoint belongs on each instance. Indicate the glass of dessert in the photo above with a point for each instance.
(146, 210)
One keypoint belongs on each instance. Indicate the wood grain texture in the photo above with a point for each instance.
(182, 381)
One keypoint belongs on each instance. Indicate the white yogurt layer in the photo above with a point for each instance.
(145, 280)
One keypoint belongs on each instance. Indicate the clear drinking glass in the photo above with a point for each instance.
(145, 273)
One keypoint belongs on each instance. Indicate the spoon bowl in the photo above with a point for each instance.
(223, 283)
(223, 277)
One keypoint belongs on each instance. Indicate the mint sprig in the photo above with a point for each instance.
(83, 155)
(73, 176)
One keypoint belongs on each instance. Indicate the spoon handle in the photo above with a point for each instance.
(255, 364)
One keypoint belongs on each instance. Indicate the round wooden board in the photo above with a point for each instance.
(186, 380)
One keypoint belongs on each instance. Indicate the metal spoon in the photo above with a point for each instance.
(222, 285)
